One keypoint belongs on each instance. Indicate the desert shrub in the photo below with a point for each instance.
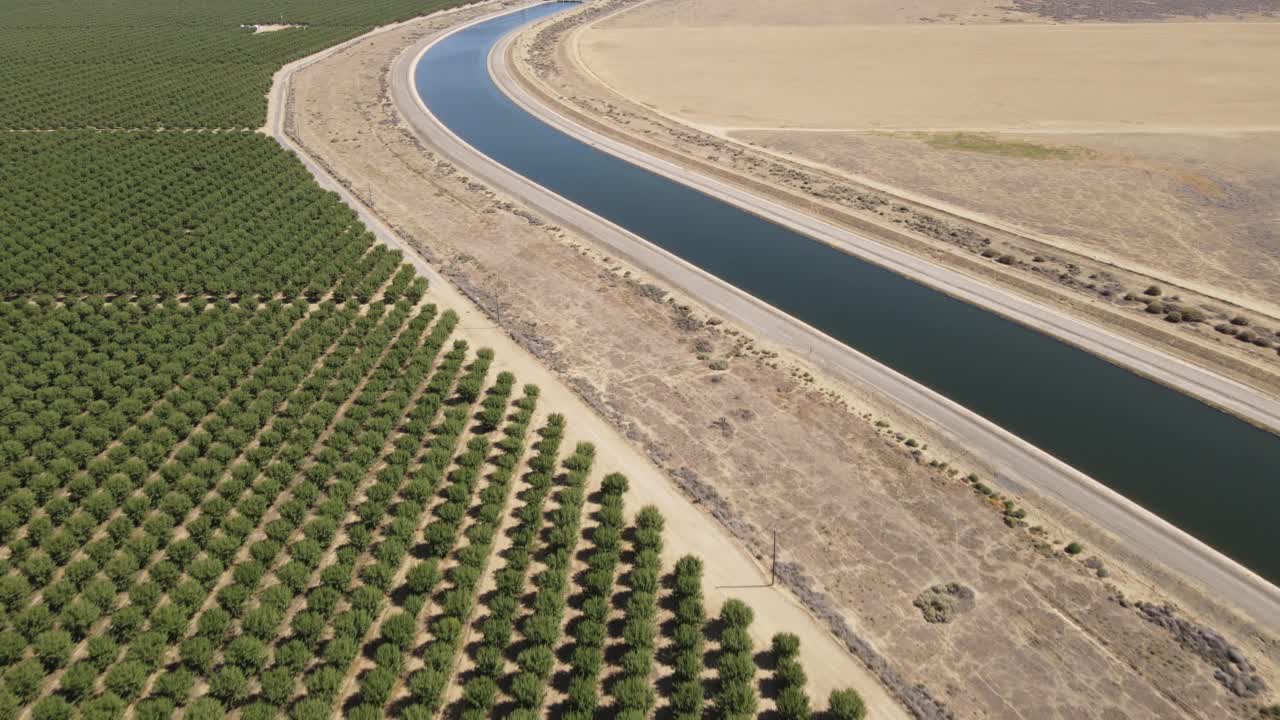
(1153, 291)
(1074, 548)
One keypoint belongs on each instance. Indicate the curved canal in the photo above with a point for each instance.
(1205, 471)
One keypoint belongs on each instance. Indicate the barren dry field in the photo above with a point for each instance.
(762, 449)
(1124, 141)
(1076, 77)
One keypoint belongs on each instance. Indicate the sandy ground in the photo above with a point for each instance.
(950, 77)
(870, 524)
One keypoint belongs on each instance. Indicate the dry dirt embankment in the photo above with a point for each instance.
(1086, 219)
(870, 523)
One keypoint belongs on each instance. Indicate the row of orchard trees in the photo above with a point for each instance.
(173, 65)
(278, 513)
(173, 213)
(497, 629)
(134, 528)
(162, 579)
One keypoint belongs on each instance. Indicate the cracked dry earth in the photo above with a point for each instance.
(872, 525)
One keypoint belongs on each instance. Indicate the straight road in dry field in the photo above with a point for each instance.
(1025, 468)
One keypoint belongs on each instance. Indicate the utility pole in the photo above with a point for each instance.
(773, 567)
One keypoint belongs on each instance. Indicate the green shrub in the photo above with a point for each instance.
(528, 690)
(736, 702)
(78, 680)
(103, 650)
(208, 709)
(480, 693)
(634, 693)
(426, 685)
(846, 705)
(785, 646)
(789, 673)
(229, 685)
(324, 682)
(155, 708)
(738, 667)
(126, 679)
(793, 704)
(175, 684)
(376, 685)
(53, 648)
(277, 686)
(389, 657)
(197, 654)
(51, 708)
(537, 660)
(248, 653)
(400, 630)
(736, 614)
